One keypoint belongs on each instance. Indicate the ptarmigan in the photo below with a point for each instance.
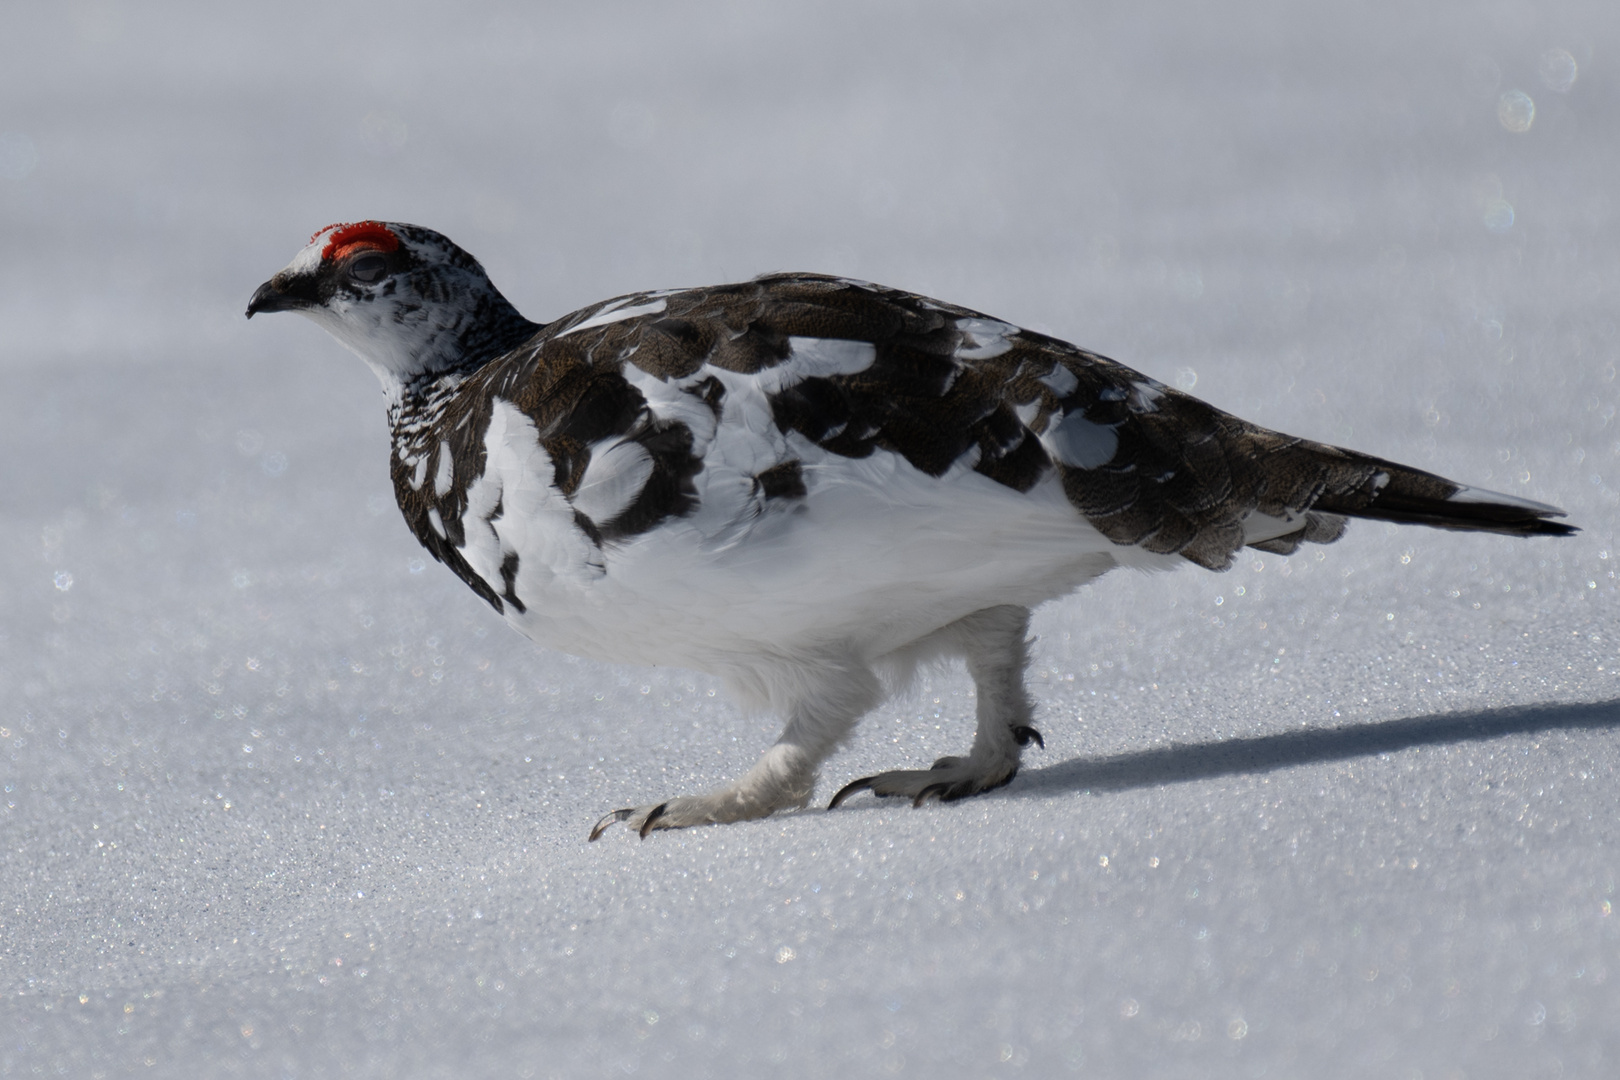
(805, 485)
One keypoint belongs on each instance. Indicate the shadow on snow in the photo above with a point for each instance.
(1182, 762)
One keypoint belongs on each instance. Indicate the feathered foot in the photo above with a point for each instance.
(716, 808)
(949, 779)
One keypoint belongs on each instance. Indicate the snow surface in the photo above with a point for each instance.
(282, 801)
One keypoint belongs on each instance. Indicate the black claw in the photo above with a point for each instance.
(1024, 733)
(616, 816)
(931, 789)
(653, 815)
(998, 784)
(863, 784)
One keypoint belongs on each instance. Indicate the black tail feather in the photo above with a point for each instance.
(1413, 497)
(1504, 518)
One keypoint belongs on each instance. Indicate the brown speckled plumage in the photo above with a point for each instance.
(1182, 480)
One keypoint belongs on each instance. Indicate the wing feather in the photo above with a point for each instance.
(938, 385)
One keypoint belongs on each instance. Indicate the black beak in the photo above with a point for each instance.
(278, 294)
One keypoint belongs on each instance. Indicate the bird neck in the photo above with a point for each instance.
(450, 349)
(492, 328)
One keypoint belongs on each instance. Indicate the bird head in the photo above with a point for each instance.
(406, 299)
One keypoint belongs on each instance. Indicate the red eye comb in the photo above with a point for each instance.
(368, 233)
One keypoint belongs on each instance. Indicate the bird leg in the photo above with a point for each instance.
(995, 646)
(828, 700)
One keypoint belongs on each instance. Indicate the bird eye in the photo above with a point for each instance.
(368, 268)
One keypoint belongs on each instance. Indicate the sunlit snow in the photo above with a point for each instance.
(283, 799)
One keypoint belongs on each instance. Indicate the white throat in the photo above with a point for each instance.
(397, 347)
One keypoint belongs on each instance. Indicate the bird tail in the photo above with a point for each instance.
(1353, 485)
(1413, 497)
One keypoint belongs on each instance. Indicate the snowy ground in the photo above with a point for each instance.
(282, 802)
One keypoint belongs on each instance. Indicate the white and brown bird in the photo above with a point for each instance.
(806, 485)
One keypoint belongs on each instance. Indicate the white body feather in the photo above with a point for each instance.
(874, 557)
